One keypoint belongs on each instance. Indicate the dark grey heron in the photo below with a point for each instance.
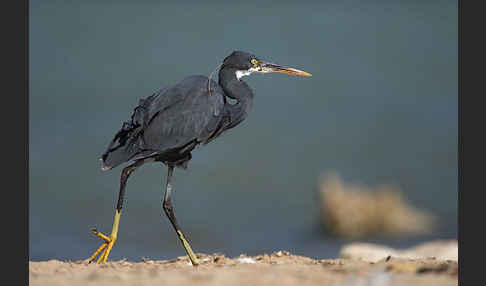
(166, 126)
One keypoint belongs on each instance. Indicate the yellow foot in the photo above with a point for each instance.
(105, 248)
(190, 253)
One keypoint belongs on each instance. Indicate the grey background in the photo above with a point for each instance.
(381, 107)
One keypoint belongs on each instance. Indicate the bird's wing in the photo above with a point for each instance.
(181, 114)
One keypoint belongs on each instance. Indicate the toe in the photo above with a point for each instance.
(97, 252)
(100, 235)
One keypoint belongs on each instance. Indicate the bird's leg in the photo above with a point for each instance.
(105, 248)
(169, 211)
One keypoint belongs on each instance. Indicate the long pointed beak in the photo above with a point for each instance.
(273, 68)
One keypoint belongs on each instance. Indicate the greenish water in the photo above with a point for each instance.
(381, 107)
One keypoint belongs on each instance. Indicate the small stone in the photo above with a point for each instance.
(246, 260)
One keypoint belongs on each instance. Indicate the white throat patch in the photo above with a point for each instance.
(242, 73)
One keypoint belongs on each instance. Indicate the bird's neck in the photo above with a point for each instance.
(238, 90)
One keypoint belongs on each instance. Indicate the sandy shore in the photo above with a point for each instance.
(279, 268)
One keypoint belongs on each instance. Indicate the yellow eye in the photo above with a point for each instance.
(254, 62)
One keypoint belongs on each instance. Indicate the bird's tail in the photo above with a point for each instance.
(123, 147)
(127, 142)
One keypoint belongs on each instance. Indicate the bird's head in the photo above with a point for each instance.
(245, 64)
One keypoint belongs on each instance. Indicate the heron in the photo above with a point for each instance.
(166, 127)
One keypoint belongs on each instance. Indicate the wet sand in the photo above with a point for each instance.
(278, 268)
